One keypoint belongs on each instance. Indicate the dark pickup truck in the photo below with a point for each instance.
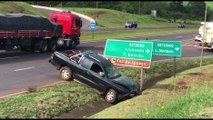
(95, 71)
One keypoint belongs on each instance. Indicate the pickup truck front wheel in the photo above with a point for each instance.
(66, 73)
(111, 96)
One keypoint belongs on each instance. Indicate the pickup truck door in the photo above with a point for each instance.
(88, 76)
(96, 80)
(84, 73)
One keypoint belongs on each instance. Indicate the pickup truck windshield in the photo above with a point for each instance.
(111, 73)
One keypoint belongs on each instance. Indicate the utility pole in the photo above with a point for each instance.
(61, 4)
(96, 4)
(139, 7)
(204, 37)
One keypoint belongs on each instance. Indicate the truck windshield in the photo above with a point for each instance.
(110, 72)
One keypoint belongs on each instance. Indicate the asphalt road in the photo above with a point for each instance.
(21, 70)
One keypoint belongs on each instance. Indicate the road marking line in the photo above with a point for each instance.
(9, 57)
(178, 36)
(24, 68)
(187, 40)
(188, 45)
(100, 46)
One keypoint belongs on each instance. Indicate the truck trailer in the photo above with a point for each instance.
(39, 34)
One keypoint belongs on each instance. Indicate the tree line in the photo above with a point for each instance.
(173, 10)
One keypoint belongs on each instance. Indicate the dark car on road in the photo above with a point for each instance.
(131, 24)
(96, 71)
(181, 25)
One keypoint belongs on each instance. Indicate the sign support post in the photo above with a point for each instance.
(142, 80)
(92, 34)
(92, 27)
(174, 66)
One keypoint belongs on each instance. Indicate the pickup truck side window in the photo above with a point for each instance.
(96, 68)
(86, 63)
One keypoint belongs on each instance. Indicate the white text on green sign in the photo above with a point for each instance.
(129, 49)
(167, 48)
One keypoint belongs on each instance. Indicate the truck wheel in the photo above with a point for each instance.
(40, 46)
(52, 45)
(66, 73)
(74, 43)
(111, 96)
(44, 46)
(23, 48)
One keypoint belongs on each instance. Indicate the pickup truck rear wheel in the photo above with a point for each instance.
(66, 73)
(111, 96)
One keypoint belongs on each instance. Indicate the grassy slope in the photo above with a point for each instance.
(19, 7)
(87, 36)
(104, 17)
(210, 4)
(186, 96)
(52, 101)
(114, 19)
(10, 7)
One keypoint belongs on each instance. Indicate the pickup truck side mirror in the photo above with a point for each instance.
(102, 74)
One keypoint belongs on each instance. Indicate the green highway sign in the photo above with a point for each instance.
(129, 53)
(166, 48)
(129, 49)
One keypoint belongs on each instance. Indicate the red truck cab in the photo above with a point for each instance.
(71, 23)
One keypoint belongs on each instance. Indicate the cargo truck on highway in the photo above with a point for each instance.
(208, 42)
(37, 33)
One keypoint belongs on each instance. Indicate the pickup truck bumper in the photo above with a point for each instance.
(54, 64)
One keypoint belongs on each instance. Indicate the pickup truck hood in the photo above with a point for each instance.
(125, 81)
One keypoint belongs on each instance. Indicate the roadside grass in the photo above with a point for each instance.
(117, 19)
(19, 7)
(183, 106)
(188, 95)
(164, 68)
(48, 102)
(87, 36)
(209, 4)
(197, 94)
(52, 101)
(104, 17)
